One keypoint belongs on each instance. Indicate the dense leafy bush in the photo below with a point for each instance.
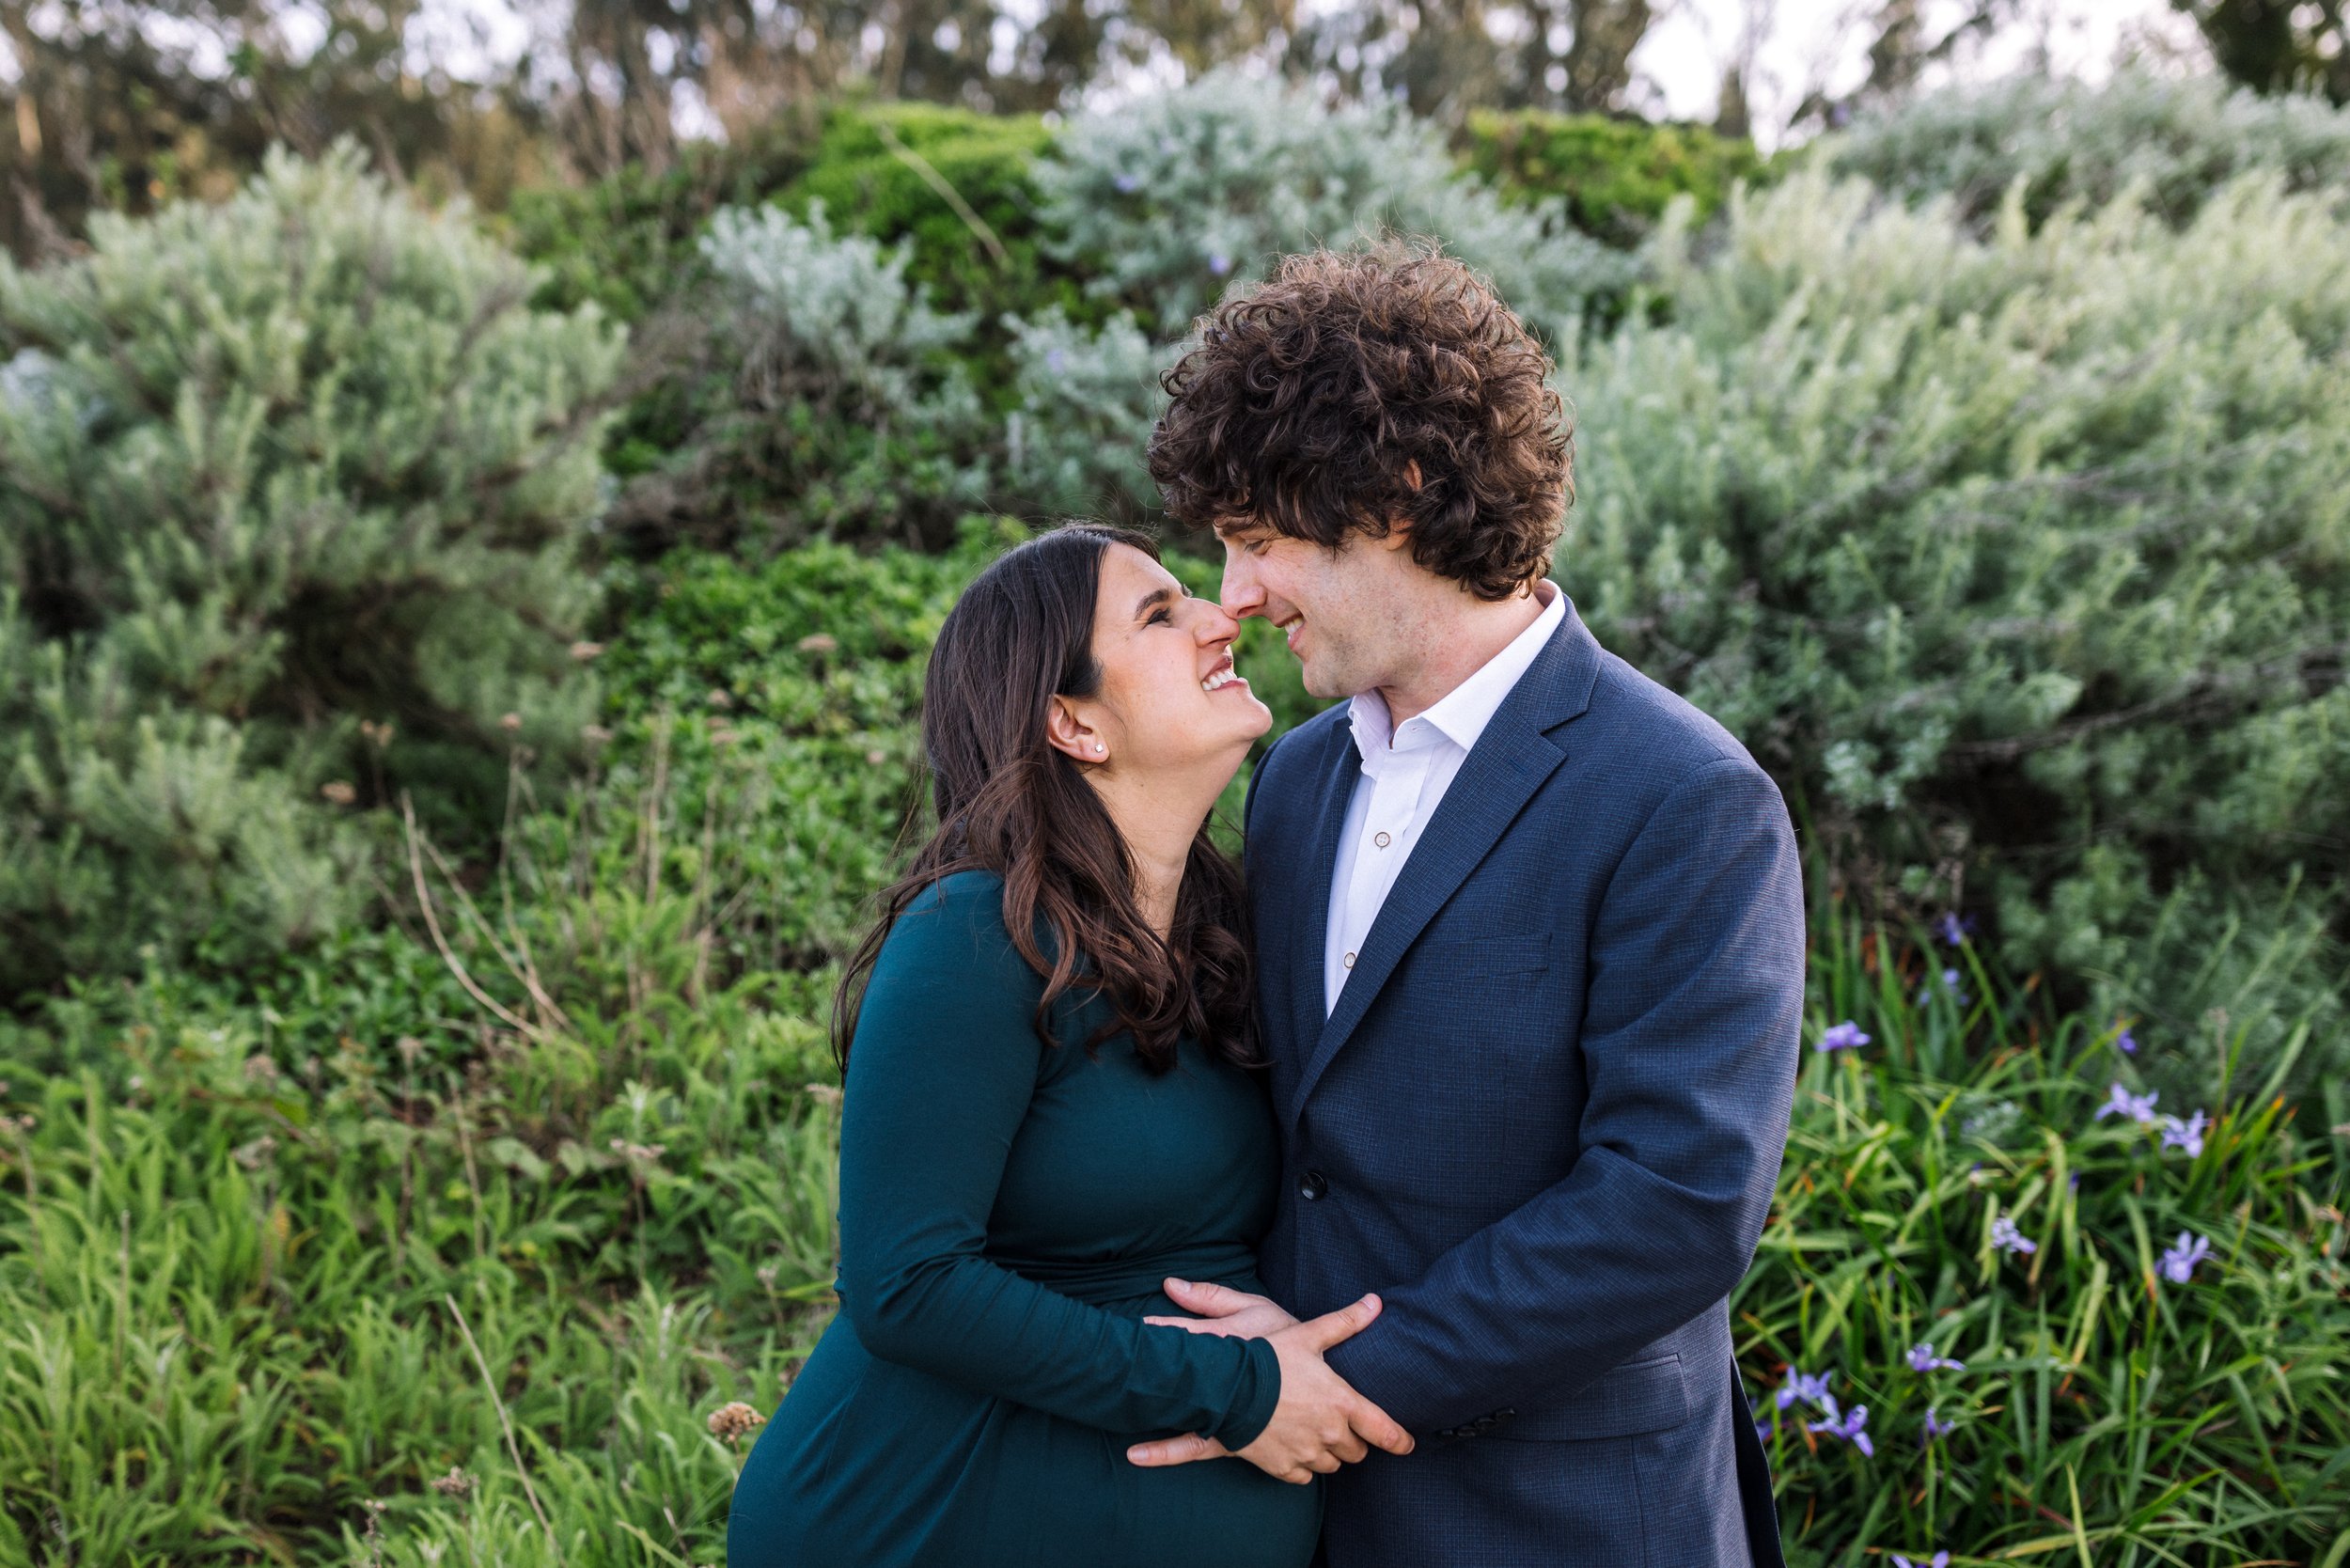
(1166, 203)
(2010, 1301)
(878, 170)
(238, 1239)
(1616, 175)
(290, 490)
(2025, 561)
(2067, 141)
(627, 242)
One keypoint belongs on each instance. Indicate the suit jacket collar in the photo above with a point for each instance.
(1516, 753)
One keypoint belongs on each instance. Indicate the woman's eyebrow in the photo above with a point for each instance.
(1153, 600)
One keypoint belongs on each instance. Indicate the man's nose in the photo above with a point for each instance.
(1240, 594)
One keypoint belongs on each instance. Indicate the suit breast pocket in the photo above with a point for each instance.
(1477, 1043)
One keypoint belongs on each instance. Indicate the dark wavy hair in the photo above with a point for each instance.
(1007, 802)
(1303, 404)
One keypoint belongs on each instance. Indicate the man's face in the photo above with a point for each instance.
(1349, 613)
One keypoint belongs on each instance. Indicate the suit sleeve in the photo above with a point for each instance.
(1690, 1041)
(941, 1071)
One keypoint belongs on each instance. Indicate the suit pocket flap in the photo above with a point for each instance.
(1639, 1396)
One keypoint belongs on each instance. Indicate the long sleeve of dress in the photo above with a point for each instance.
(940, 1071)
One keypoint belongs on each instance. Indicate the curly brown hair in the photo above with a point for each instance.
(1304, 404)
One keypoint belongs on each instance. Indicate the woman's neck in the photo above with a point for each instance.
(1159, 820)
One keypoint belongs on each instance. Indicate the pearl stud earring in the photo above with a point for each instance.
(1099, 746)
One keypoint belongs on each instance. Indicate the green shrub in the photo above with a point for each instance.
(883, 192)
(273, 475)
(2024, 561)
(627, 242)
(2067, 141)
(1617, 176)
(2106, 1408)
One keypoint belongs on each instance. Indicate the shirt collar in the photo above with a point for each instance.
(1462, 714)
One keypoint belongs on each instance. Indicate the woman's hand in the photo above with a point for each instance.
(1224, 1310)
(1320, 1421)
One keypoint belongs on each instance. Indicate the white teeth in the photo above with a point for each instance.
(1222, 678)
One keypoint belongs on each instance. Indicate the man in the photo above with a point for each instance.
(1530, 947)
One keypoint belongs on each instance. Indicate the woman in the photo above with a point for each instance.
(1049, 1111)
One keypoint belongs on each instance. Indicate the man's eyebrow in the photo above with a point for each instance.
(1156, 597)
(1235, 527)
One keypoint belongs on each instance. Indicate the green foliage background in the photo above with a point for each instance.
(2009, 535)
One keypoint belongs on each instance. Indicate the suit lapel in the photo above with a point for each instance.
(1511, 761)
(1309, 939)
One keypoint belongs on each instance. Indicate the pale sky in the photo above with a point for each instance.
(1795, 44)
(1824, 42)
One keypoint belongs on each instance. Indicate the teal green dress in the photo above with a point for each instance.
(1006, 1213)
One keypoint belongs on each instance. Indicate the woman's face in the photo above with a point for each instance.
(1169, 697)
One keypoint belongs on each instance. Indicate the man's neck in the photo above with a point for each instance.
(1457, 647)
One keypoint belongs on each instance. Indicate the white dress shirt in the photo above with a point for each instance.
(1406, 774)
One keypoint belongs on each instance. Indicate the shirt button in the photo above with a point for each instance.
(1381, 840)
(1313, 1186)
(1348, 961)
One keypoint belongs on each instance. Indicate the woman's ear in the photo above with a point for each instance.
(1067, 733)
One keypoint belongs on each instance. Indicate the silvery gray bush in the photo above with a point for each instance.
(269, 471)
(2067, 140)
(1170, 200)
(2023, 556)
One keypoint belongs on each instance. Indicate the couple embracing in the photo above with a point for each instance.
(1378, 1207)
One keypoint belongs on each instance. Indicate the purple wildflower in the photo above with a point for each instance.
(1804, 1386)
(2126, 1042)
(1127, 183)
(2008, 1239)
(2121, 1101)
(1937, 1427)
(2188, 1135)
(1940, 1560)
(1949, 983)
(1953, 929)
(1849, 1427)
(1922, 1358)
(1762, 1429)
(2178, 1264)
(1842, 1037)
(1220, 264)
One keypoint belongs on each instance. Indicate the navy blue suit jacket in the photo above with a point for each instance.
(1544, 1122)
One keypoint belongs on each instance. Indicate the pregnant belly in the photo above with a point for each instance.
(874, 1464)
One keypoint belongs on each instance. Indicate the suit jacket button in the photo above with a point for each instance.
(1313, 1186)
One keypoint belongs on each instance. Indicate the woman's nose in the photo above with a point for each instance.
(1215, 625)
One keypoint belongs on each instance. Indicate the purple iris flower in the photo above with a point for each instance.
(2188, 1135)
(1953, 929)
(1762, 1429)
(1849, 1426)
(2178, 1264)
(1842, 1037)
(2126, 1042)
(1803, 1384)
(2121, 1101)
(1937, 1427)
(1949, 983)
(1940, 1560)
(1127, 183)
(2008, 1239)
(1922, 1358)
(1220, 264)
